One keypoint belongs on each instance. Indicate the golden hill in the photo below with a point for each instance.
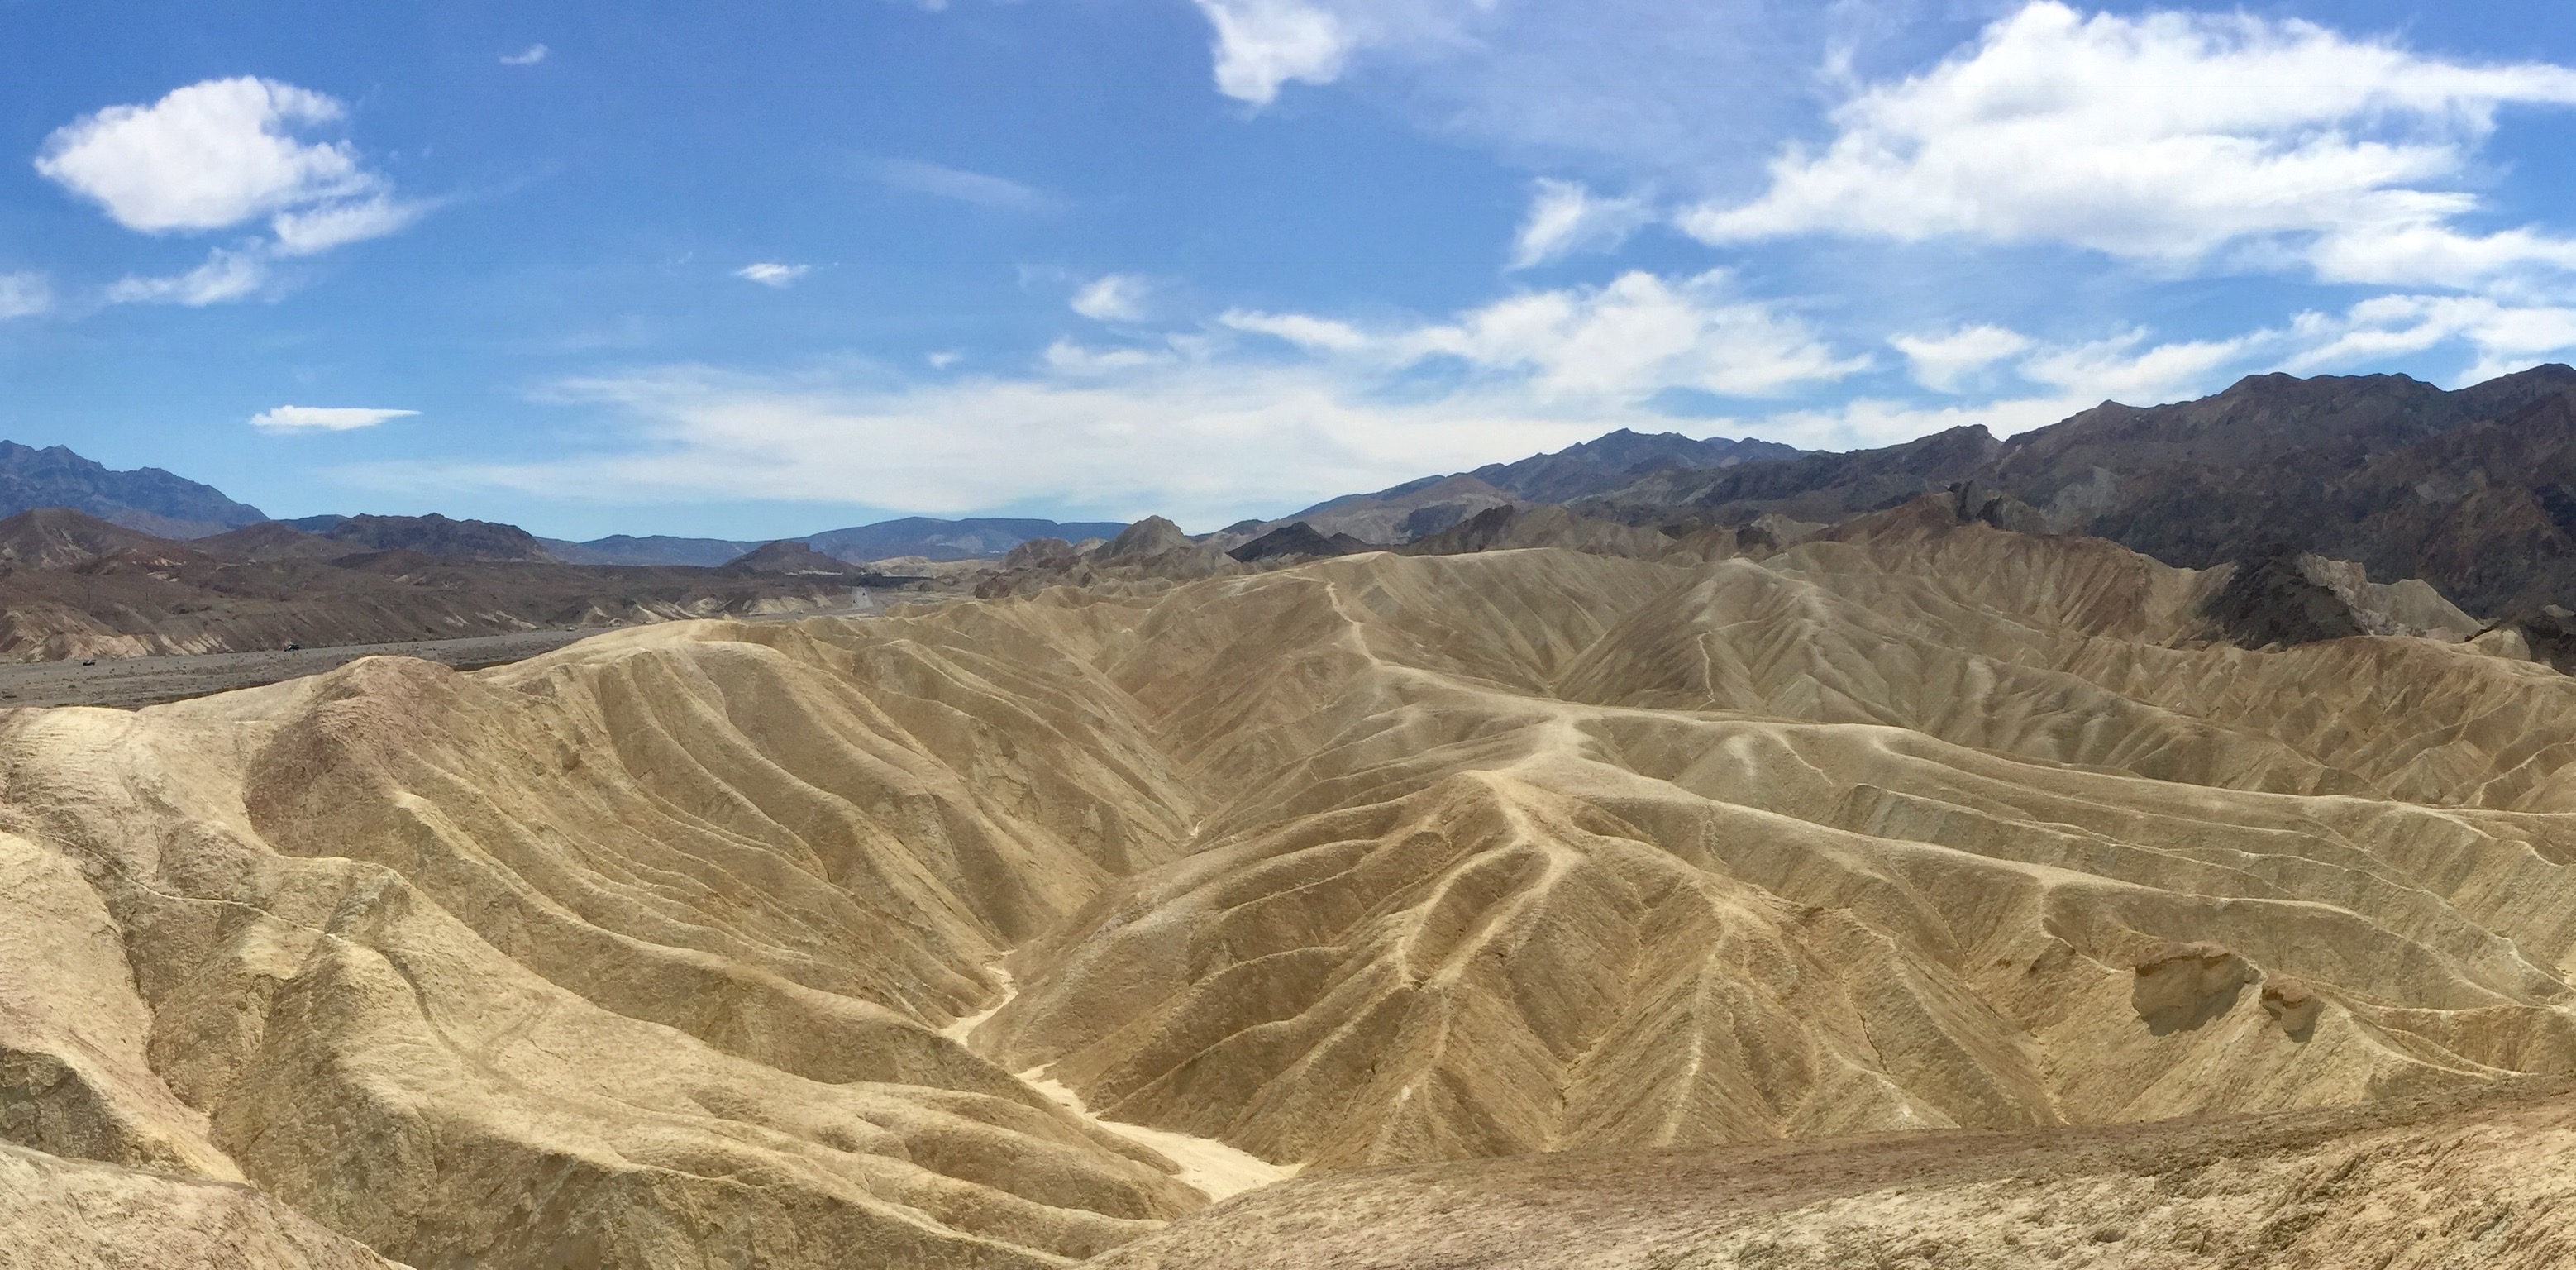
(645, 952)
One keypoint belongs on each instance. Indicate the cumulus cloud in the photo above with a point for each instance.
(207, 156)
(958, 184)
(1637, 335)
(24, 294)
(528, 56)
(1261, 46)
(1116, 297)
(217, 155)
(770, 273)
(2169, 137)
(1565, 217)
(1944, 363)
(323, 418)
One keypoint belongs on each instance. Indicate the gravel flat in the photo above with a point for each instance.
(131, 682)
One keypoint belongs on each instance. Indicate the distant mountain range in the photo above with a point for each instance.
(2473, 491)
(72, 585)
(970, 539)
(148, 499)
(1426, 506)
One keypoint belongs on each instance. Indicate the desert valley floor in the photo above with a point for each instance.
(1540, 906)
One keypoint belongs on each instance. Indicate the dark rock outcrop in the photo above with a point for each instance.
(147, 499)
(2473, 491)
(1297, 539)
(792, 558)
(435, 536)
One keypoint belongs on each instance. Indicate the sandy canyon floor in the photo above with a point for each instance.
(1529, 907)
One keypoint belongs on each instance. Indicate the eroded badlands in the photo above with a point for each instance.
(651, 951)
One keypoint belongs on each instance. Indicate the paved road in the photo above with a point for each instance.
(129, 682)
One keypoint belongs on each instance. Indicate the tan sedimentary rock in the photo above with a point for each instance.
(640, 953)
(2410, 1183)
(58, 1214)
(1544, 852)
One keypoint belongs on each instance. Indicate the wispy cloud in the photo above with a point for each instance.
(770, 273)
(227, 275)
(528, 56)
(1202, 442)
(1116, 297)
(983, 190)
(2503, 336)
(1565, 217)
(1621, 342)
(24, 294)
(323, 418)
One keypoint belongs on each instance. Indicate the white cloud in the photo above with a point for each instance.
(1205, 443)
(2503, 337)
(207, 156)
(1312, 333)
(770, 273)
(24, 294)
(1069, 358)
(528, 56)
(323, 418)
(320, 229)
(1565, 217)
(1622, 342)
(1635, 336)
(227, 275)
(219, 154)
(944, 358)
(2169, 137)
(980, 189)
(1116, 297)
(1263, 44)
(1944, 363)
(2118, 369)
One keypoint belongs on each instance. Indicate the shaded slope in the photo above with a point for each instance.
(2407, 1183)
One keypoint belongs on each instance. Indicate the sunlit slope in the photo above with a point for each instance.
(631, 956)
(638, 953)
(1875, 834)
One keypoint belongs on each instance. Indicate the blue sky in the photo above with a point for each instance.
(758, 269)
